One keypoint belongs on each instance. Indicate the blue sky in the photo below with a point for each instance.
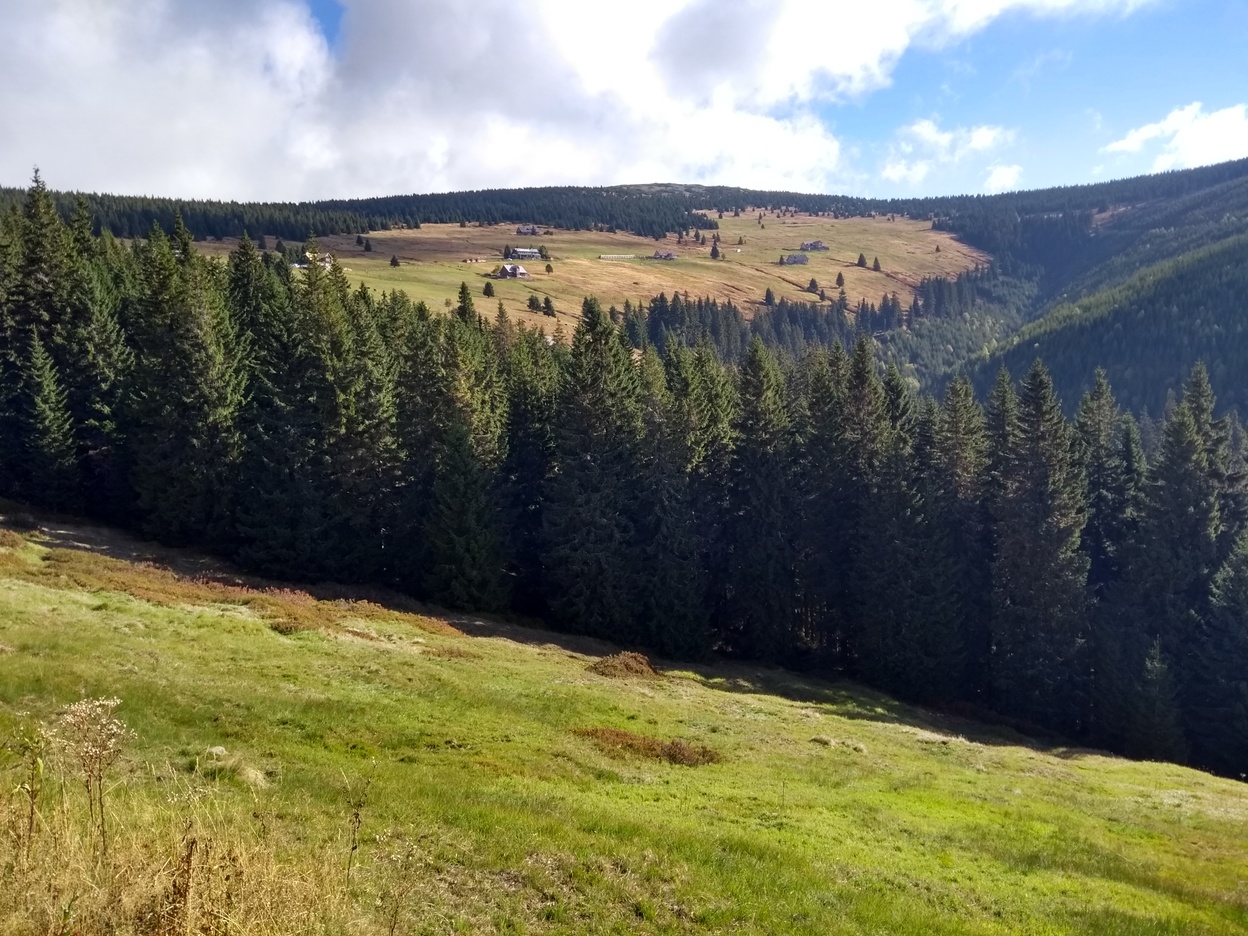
(1068, 87)
(305, 99)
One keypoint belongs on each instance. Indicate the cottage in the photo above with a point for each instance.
(795, 260)
(525, 253)
(323, 260)
(814, 245)
(665, 255)
(529, 230)
(512, 271)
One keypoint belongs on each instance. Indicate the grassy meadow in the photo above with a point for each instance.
(322, 761)
(435, 259)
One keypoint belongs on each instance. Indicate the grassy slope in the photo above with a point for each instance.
(433, 262)
(488, 813)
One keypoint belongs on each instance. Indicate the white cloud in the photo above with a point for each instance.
(244, 99)
(924, 145)
(1190, 137)
(1002, 179)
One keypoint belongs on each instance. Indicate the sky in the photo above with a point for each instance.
(309, 99)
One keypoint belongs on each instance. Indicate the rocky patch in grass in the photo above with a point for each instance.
(618, 743)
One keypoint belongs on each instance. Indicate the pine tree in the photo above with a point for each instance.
(1039, 574)
(488, 290)
(840, 280)
(394, 260)
(875, 264)
(862, 260)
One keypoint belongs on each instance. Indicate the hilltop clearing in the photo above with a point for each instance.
(331, 763)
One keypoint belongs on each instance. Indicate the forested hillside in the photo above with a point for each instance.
(1147, 331)
(813, 511)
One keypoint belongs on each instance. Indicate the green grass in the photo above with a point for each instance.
(830, 809)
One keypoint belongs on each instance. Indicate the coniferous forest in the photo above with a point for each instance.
(690, 491)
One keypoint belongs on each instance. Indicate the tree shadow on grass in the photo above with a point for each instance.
(854, 701)
(840, 696)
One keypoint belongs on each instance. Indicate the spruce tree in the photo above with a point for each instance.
(864, 442)
(49, 466)
(180, 420)
(1169, 587)
(957, 488)
(1039, 574)
(1154, 732)
(1217, 700)
(464, 531)
(588, 531)
(533, 378)
(760, 523)
(671, 612)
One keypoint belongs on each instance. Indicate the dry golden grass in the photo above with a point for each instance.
(436, 258)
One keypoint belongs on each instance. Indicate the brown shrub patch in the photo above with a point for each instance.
(623, 664)
(11, 540)
(618, 742)
(451, 652)
(285, 610)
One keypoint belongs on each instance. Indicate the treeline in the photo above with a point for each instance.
(572, 208)
(794, 327)
(998, 223)
(815, 512)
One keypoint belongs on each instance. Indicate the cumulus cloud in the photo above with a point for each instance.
(923, 146)
(244, 98)
(1188, 137)
(1002, 179)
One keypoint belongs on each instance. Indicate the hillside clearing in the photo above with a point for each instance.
(494, 784)
(436, 258)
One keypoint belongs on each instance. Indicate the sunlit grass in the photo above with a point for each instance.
(489, 801)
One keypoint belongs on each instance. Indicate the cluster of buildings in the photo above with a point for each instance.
(814, 245)
(794, 260)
